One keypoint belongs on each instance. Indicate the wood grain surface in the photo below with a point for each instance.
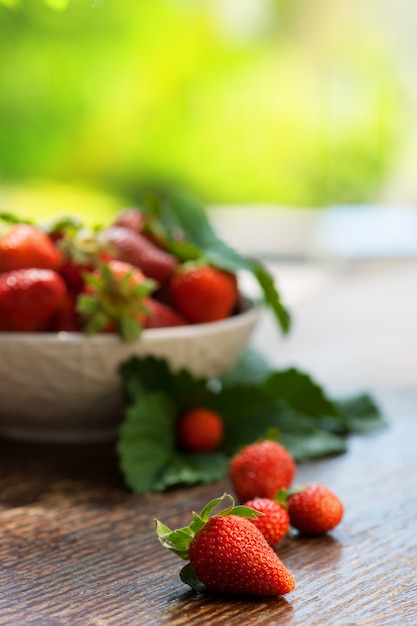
(77, 549)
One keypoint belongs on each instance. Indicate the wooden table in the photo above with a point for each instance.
(77, 549)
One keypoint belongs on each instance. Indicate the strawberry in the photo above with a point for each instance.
(66, 318)
(200, 430)
(132, 218)
(275, 521)
(29, 299)
(204, 293)
(261, 469)
(150, 226)
(115, 300)
(132, 247)
(162, 316)
(314, 510)
(24, 246)
(227, 553)
(82, 253)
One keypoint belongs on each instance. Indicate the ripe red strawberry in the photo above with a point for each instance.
(227, 553)
(23, 246)
(275, 521)
(66, 318)
(315, 510)
(261, 469)
(132, 247)
(115, 300)
(200, 430)
(29, 299)
(82, 253)
(161, 315)
(132, 218)
(204, 293)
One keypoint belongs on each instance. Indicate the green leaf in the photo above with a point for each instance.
(177, 541)
(309, 423)
(300, 392)
(208, 509)
(188, 576)
(312, 444)
(146, 441)
(184, 212)
(154, 374)
(192, 469)
(272, 297)
(251, 369)
(128, 328)
(360, 412)
(247, 413)
(245, 511)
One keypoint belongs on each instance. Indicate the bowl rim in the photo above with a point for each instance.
(249, 313)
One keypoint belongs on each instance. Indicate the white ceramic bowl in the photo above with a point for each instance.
(66, 387)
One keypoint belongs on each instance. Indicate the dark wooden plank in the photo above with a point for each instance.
(78, 549)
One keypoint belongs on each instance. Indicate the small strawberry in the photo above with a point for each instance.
(115, 300)
(204, 293)
(132, 247)
(29, 299)
(161, 315)
(275, 521)
(261, 469)
(200, 430)
(227, 553)
(24, 246)
(314, 510)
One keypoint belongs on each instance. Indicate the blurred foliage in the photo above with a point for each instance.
(278, 101)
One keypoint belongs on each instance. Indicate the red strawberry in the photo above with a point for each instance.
(227, 553)
(132, 218)
(275, 521)
(115, 299)
(315, 510)
(67, 319)
(162, 316)
(200, 430)
(134, 248)
(204, 293)
(29, 298)
(23, 246)
(149, 225)
(82, 253)
(261, 470)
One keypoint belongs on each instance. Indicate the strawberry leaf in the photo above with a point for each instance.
(177, 541)
(146, 441)
(192, 469)
(310, 424)
(181, 211)
(299, 391)
(188, 576)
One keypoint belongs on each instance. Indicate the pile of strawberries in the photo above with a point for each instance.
(232, 551)
(121, 278)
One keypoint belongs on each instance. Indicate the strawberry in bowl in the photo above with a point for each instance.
(76, 302)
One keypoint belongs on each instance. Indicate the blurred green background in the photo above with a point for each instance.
(284, 102)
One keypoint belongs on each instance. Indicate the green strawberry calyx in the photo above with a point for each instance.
(114, 301)
(281, 497)
(178, 541)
